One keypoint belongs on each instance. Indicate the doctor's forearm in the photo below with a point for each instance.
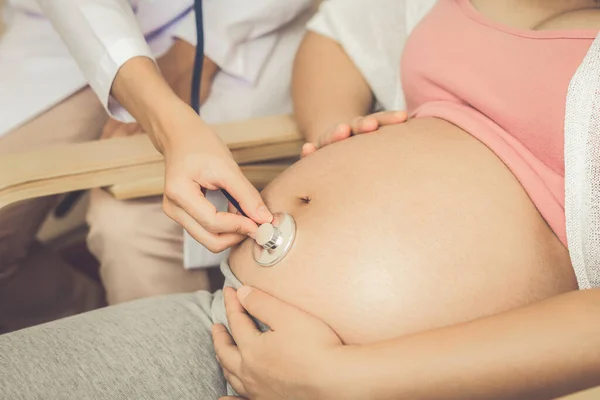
(327, 88)
(142, 90)
(542, 351)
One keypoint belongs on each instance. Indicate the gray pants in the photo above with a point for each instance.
(156, 348)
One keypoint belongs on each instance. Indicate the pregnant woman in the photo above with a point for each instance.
(455, 215)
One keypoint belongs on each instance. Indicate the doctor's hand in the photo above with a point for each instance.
(359, 125)
(297, 359)
(197, 160)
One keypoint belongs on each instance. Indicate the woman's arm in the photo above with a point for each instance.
(542, 351)
(327, 87)
(331, 97)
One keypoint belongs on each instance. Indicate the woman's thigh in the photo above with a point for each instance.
(158, 348)
(414, 227)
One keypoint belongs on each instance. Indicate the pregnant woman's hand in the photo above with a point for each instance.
(296, 359)
(360, 125)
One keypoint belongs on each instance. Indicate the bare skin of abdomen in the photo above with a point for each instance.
(414, 227)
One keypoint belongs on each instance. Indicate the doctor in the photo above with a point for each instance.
(118, 65)
(114, 44)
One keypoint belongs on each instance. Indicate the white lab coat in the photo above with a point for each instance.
(39, 68)
(36, 69)
(251, 41)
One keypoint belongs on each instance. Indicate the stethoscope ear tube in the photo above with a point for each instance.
(279, 236)
(199, 57)
(197, 80)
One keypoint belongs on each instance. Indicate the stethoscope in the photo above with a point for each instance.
(274, 240)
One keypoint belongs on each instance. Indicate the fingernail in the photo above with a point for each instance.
(265, 214)
(243, 292)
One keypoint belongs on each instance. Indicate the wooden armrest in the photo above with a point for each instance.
(152, 179)
(132, 166)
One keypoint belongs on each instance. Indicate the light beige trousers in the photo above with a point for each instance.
(138, 247)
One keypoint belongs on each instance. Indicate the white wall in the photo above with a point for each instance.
(1, 24)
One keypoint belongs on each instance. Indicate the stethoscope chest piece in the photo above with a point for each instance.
(274, 240)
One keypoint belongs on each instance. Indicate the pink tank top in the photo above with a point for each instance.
(505, 86)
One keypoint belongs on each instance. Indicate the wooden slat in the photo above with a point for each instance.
(76, 159)
(153, 184)
(258, 131)
(591, 394)
(64, 184)
(244, 138)
(122, 161)
(267, 152)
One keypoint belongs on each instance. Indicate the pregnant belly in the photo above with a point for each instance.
(411, 228)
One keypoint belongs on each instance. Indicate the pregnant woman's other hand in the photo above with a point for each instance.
(358, 126)
(296, 359)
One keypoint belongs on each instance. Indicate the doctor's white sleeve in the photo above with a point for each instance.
(101, 34)
(239, 35)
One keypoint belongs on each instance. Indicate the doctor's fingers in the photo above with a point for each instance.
(187, 195)
(215, 243)
(249, 198)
